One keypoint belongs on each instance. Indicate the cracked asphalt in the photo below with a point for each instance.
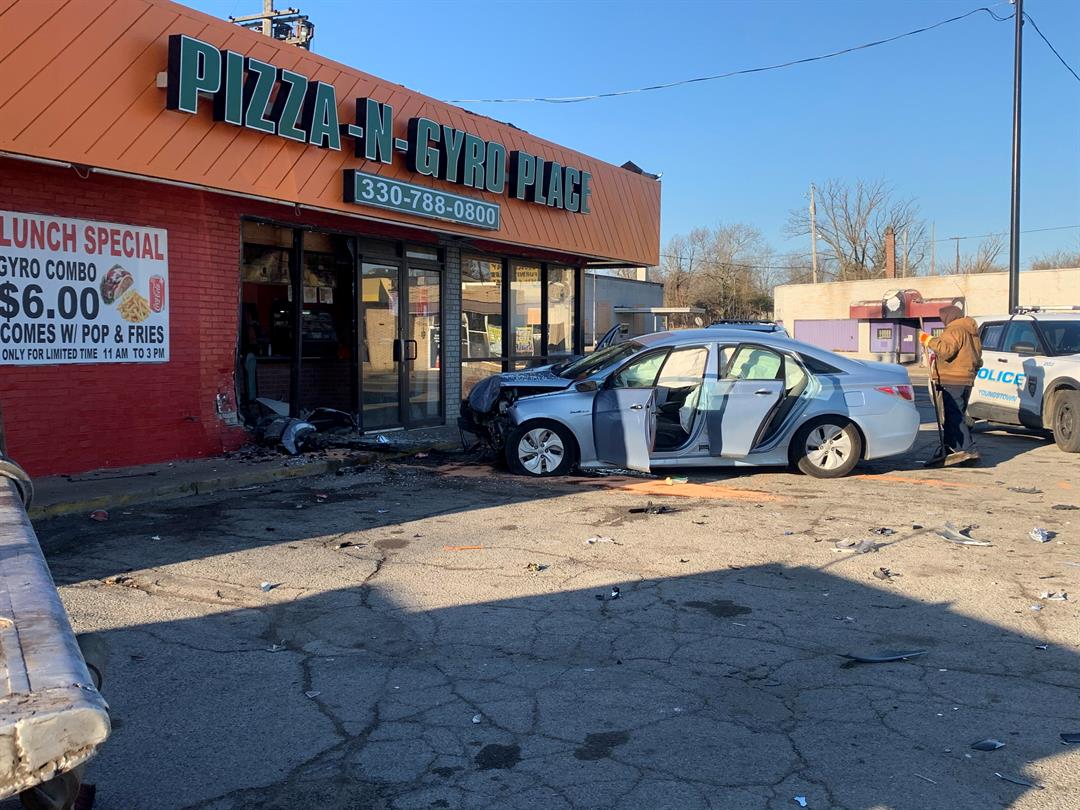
(407, 655)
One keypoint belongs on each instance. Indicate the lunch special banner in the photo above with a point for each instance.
(75, 291)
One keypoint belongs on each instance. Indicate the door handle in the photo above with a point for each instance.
(637, 407)
(411, 349)
(762, 392)
(1003, 360)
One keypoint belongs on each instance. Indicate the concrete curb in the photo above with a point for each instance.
(196, 486)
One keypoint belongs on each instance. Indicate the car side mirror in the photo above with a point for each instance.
(586, 387)
(1023, 347)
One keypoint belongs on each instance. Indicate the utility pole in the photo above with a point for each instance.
(288, 25)
(1014, 222)
(957, 238)
(904, 271)
(813, 236)
(933, 248)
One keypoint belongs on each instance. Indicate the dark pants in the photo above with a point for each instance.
(954, 400)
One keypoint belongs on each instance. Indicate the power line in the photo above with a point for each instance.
(1061, 59)
(1006, 233)
(743, 72)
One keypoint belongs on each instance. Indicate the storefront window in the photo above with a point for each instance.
(560, 286)
(326, 371)
(267, 337)
(525, 310)
(481, 308)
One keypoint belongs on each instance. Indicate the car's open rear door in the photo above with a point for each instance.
(624, 426)
(741, 403)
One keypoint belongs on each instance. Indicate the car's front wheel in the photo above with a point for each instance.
(540, 448)
(827, 448)
(1067, 421)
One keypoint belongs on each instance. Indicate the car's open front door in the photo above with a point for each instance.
(624, 426)
(740, 404)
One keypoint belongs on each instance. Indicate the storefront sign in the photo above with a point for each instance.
(73, 291)
(247, 92)
(370, 189)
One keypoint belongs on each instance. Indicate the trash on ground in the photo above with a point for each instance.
(884, 657)
(1054, 596)
(844, 618)
(381, 439)
(478, 718)
(1070, 737)
(672, 480)
(1026, 490)
(800, 800)
(884, 531)
(312, 695)
(614, 592)
(421, 455)
(275, 648)
(1041, 535)
(598, 538)
(926, 779)
(350, 544)
(1065, 507)
(989, 744)
(884, 574)
(266, 587)
(961, 537)
(1042, 646)
(1035, 608)
(100, 515)
(1016, 780)
(536, 567)
(117, 579)
(857, 546)
(156, 537)
(462, 548)
(652, 509)
(321, 497)
(917, 526)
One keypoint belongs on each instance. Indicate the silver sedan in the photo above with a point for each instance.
(690, 398)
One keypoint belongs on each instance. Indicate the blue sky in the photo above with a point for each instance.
(930, 114)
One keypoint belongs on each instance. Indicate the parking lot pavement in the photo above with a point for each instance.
(440, 634)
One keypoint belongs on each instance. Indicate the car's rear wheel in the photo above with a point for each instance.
(827, 448)
(540, 448)
(1067, 421)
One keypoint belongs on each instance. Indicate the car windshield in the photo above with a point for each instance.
(1063, 336)
(592, 363)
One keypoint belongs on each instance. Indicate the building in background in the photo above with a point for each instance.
(201, 225)
(878, 318)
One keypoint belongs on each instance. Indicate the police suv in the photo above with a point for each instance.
(1031, 373)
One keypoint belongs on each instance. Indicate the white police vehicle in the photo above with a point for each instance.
(1031, 373)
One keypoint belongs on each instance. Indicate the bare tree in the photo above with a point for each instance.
(726, 270)
(985, 258)
(851, 224)
(1056, 260)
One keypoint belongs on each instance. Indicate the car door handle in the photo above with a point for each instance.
(637, 407)
(762, 392)
(1003, 359)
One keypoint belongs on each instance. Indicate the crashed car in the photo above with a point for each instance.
(700, 397)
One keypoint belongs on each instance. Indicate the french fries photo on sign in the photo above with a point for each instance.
(75, 291)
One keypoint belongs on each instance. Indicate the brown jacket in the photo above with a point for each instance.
(959, 352)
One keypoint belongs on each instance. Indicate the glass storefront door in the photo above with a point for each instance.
(401, 365)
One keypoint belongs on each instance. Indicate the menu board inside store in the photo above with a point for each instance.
(78, 291)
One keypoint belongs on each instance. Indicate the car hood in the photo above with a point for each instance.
(484, 394)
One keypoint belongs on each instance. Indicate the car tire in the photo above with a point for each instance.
(1067, 420)
(827, 448)
(540, 448)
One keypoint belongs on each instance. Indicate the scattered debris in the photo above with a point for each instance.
(350, 544)
(1065, 507)
(266, 587)
(422, 456)
(478, 718)
(1054, 596)
(1071, 737)
(683, 560)
(1026, 490)
(381, 439)
(321, 497)
(1042, 646)
(312, 695)
(918, 526)
(295, 434)
(275, 648)
(962, 537)
(857, 546)
(844, 618)
(926, 779)
(462, 548)
(652, 509)
(1016, 780)
(672, 480)
(597, 538)
(1035, 608)
(989, 744)
(100, 515)
(156, 537)
(536, 567)
(800, 800)
(615, 592)
(884, 531)
(118, 579)
(1041, 535)
(884, 574)
(884, 657)
(788, 534)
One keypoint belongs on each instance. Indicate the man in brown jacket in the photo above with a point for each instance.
(958, 359)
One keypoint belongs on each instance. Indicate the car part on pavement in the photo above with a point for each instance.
(988, 744)
(1016, 780)
(1041, 535)
(959, 536)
